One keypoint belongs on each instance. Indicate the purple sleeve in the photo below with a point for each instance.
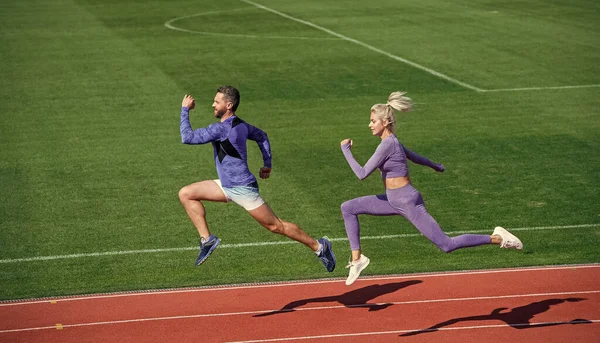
(424, 161)
(261, 138)
(382, 152)
(199, 136)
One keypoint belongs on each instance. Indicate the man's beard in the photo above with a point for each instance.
(220, 114)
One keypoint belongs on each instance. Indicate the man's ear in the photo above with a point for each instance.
(229, 105)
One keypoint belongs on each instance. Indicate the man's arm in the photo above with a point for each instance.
(198, 136)
(261, 138)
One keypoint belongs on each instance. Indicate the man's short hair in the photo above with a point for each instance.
(231, 94)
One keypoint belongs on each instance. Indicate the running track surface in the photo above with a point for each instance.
(546, 304)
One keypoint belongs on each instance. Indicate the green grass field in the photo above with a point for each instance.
(91, 159)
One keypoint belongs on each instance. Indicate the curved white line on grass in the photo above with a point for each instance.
(260, 244)
(317, 308)
(537, 88)
(365, 45)
(220, 288)
(169, 25)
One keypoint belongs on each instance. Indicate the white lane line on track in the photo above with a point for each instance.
(138, 320)
(291, 284)
(473, 327)
(260, 244)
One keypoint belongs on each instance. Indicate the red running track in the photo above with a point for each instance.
(546, 304)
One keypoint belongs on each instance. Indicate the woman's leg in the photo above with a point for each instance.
(375, 205)
(411, 205)
(425, 223)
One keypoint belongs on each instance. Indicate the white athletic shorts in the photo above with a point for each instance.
(247, 197)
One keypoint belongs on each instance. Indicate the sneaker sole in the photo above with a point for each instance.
(358, 274)
(214, 246)
(500, 231)
(327, 245)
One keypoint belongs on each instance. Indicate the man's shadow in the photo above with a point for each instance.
(517, 318)
(356, 298)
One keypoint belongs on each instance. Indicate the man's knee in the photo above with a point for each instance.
(185, 194)
(276, 227)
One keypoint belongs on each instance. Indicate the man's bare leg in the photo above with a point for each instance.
(265, 216)
(191, 196)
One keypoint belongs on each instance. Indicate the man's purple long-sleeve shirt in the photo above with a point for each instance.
(229, 142)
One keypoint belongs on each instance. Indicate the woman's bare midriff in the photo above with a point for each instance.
(396, 182)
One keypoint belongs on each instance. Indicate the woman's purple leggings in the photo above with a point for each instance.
(407, 202)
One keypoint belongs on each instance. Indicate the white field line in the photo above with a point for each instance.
(261, 244)
(536, 88)
(404, 60)
(473, 327)
(318, 308)
(169, 25)
(365, 45)
(290, 284)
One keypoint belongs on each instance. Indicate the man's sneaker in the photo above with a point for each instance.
(326, 256)
(206, 248)
(355, 268)
(509, 241)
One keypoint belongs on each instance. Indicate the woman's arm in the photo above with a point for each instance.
(424, 161)
(382, 152)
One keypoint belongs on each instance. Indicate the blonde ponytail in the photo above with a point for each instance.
(399, 102)
(396, 102)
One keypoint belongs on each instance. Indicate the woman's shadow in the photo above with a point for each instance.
(356, 298)
(517, 318)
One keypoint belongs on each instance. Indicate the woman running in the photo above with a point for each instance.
(400, 197)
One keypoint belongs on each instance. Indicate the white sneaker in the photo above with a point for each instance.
(355, 268)
(509, 241)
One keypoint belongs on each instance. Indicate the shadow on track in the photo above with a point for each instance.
(518, 317)
(355, 298)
